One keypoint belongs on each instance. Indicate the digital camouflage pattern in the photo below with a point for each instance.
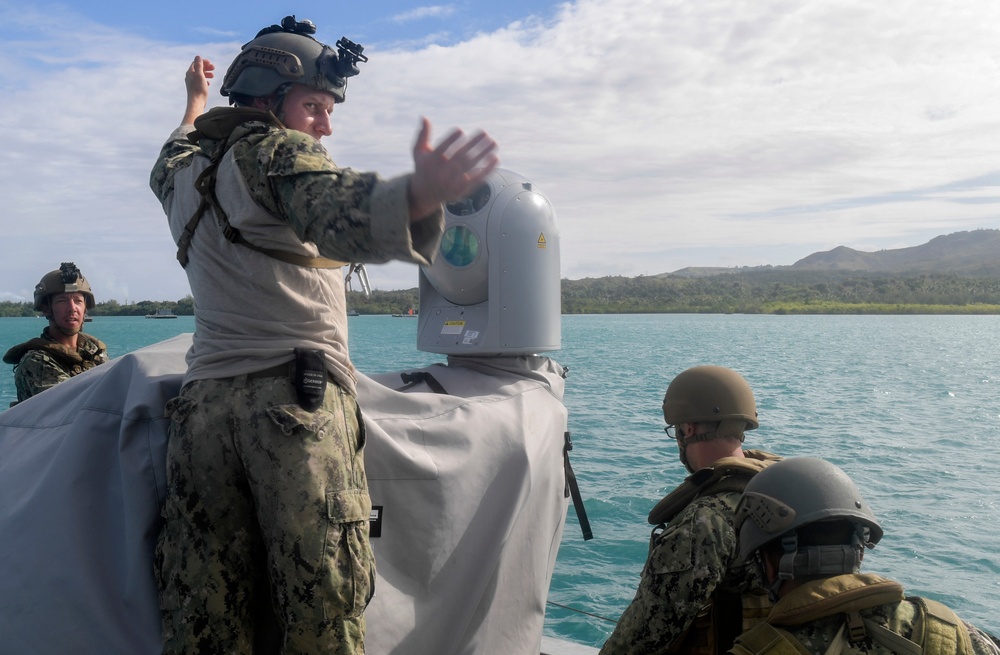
(693, 559)
(252, 476)
(290, 174)
(42, 363)
(256, 487)
(816, 634)
(983, 643)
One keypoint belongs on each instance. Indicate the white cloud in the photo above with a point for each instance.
(666, 133)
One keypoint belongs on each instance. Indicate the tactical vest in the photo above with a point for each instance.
(718, 624)
(218, 124)
(89, 353)
(937, 630)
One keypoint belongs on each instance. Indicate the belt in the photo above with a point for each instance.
(277, 371)
(280, 371)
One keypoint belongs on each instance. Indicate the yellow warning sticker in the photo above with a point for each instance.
(541, 240)
(452, 327)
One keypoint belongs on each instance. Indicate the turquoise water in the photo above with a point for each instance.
(909, 406)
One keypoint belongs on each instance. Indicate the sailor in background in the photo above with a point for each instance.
(266, 476)
(63, 350)
(805, 521)
(695, 596)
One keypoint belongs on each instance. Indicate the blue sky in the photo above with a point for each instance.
(401, 24)
(666, 133)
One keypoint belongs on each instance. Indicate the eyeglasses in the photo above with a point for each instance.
(670, 431)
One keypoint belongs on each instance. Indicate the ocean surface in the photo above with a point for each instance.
(909, 406)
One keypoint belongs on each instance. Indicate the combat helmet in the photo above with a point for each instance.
(710, 394)
(286, 54)
(67, 279)
(797, 492)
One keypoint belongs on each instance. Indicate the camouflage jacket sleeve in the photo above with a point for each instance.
(36, 372)
(175, 155)
(983, 643)
(349, 215)
(688, 562)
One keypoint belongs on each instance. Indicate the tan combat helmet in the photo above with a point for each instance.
(66, 279)
(710, 394)
(288, 54)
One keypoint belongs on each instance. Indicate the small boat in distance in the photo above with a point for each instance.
(162, 313)
(413, 313)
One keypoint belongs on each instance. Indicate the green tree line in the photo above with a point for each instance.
(182, 307)
(773, 292)
(741, 292)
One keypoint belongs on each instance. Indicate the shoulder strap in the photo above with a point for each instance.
(938, 631)
(836, 646)
(894, 641)
(727, 474)
(705, 482)
(942, 631)
(184, 243)
(765, 639)
(205, 184)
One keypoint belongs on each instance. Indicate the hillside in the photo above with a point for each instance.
(957, 273)
(972, 254)
(975, 253)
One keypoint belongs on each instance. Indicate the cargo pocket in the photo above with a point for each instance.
(292, 420)
(179, 409)
(350, 562)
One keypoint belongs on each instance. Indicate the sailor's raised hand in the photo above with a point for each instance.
(196, 81)
(451, 170)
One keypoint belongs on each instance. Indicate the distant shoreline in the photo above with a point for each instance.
(746, 292)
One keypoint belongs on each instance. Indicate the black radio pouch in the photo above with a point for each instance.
(310, 378)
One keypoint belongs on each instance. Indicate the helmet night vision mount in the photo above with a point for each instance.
(289, 54)
(494, 288)
(66, 279)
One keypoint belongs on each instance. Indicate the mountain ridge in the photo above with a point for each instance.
(973, 253)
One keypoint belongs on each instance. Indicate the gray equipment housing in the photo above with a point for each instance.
(494, 288)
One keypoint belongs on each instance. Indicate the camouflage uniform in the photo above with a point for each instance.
(691, 563)
(815, 615)
(43, 363)
(262, 493)
(297, 475)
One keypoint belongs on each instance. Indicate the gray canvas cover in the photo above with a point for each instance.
(470, 484)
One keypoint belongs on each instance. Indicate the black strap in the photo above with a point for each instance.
(573, 488)
(205, 184)
(233, 236)
(413, 379)
(185, 241)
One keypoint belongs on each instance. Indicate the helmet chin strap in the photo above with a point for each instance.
(276, 105)
(279, 105)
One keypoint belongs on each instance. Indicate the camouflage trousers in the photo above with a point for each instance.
(266, 522)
